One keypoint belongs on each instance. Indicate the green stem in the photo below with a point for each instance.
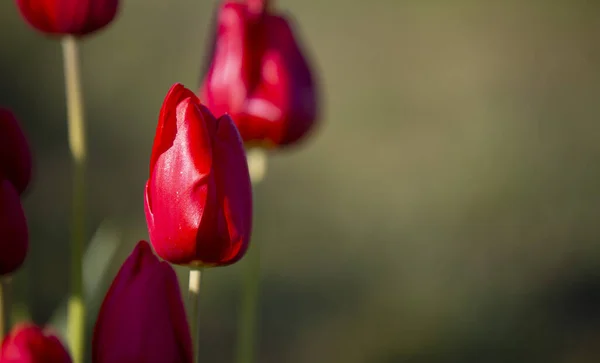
(194, 312)
(5, 305)
(77, 145)
(246, 342)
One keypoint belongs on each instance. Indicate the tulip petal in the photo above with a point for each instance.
(226, 87)
(182, 185)
(167, 122)
(142, 318)
(234, 192)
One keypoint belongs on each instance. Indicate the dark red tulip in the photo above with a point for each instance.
(142, 318)
(14, 238)
(15, 174)
(15, 156)
(198, 197)
(68, 17)
(28, 343)
(259, 75)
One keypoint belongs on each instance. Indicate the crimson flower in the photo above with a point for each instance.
(15, 175)
(198, 198)
(64, 17)
(259, 75)
(15, 156)
(14, 238)
(142, 317)
(27, 343)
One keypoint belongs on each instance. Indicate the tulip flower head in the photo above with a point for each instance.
(259, 75)
(15, 175)
(15, 155)
(14, 238)
(142, 317)
(68, 17)
(27, 343)
(198, 198)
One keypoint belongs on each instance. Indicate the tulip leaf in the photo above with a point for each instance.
(96, 261)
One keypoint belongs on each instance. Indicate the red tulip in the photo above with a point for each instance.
(28, 343)
(259, 75)
(74, 17)
(15, 174)
(142, 318)
(13, 229)
(198, 197)
(15, 157)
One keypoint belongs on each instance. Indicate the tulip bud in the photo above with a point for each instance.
(15, 157)
(28, 343)
(14, 238)
(15, 174)
(259, 75)
(68, 17)
(142, 318)
(198, 198)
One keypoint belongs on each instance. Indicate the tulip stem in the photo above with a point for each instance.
(5, 305)
(194, 316)
(77, 145)
(257, 166)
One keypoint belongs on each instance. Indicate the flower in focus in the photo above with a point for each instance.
(68, 17)
(142, 318)
(259, 75)
(15, 175)
(27, 343)
(198, 198)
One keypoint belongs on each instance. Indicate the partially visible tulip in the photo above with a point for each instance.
(68, 17)
(142, 318)
(15, 156)
(27, 343)
(15, 175)
(198, 198)
(259, 75)
(14, 238)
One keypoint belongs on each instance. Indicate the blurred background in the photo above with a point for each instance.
(447, 209)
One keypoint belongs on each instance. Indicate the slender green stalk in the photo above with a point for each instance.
(77, 145)
(194, 310)
(247, 324)
(5, 305)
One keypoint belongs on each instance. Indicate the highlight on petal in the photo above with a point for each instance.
(167, 123)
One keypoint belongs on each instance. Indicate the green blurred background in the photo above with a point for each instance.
(445, 211)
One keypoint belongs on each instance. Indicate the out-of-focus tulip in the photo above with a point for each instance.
(142, 318)
(15, 157)
(14, 238)
(259, 75)
(27, 343)
(15, 174)
(198, 198)
(68, 17)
